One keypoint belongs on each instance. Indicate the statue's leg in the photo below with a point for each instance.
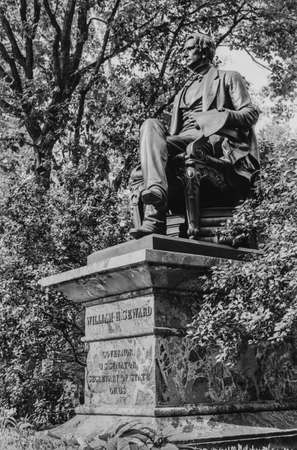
(151, 197)
(146, 218)
(154, 222)
(153, 159)
(155, 146)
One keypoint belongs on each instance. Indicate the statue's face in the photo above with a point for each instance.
(194, 57)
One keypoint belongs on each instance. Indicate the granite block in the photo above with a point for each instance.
(176, 245)
(146, 372)
(121, 373)
(158, 312)
(131, 272)
(130, 317)
(143, 372)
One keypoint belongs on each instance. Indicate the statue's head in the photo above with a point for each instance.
(200, 50)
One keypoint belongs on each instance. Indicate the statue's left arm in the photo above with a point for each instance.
(243, 114)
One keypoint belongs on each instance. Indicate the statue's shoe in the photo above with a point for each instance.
(155, 196)
(241, 240)
(146, 229)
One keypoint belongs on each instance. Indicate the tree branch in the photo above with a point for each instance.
(36, 18)
(23, 10)
(96, 18)
(33, 127)
(167, 57)
(80, 112)
(9, 108)
(52, 18)
(71, 323)
(199, 8)
(121, 49)
(6, 76)
(9, 33)
(13, 139)
(30, 34)
(129, 44)
(56, 61)
(162, 107)
(82, 34)
(236, 21)
(256, 61)
(100, 59)
(17, 85)
(72, 346)
(168, 53)
(66, 39)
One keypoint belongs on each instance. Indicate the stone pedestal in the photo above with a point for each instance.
(139, 297)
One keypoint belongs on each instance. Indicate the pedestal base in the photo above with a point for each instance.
(141, 369)
(218, 431)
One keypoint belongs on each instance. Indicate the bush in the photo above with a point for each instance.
(42, 357)
(247, 320)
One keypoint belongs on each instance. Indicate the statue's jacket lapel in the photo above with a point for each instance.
(175, 124)
(210, 89)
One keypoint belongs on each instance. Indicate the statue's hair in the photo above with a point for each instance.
(205, 43)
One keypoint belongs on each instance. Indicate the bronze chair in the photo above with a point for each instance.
(194, 210)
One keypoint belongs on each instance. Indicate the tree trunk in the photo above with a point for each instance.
(43, 161)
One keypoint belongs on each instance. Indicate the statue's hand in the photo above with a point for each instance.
(198, 150)
(193, 116)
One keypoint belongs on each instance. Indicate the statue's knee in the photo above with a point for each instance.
(133, 175)
(191, 152)
(149, 124)
(136, 175)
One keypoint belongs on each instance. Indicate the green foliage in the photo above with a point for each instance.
(42, 359)
(249, 310)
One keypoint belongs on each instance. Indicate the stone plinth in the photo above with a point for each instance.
(138, 298)
(137, 307)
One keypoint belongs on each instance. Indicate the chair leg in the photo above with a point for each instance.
(136, 204)
(192, 197)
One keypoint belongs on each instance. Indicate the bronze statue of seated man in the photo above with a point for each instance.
(209, 157)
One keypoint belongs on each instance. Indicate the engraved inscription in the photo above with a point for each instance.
(100, 318)
(121, 318)
(121, 372)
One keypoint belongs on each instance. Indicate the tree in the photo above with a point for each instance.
(53, 56)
